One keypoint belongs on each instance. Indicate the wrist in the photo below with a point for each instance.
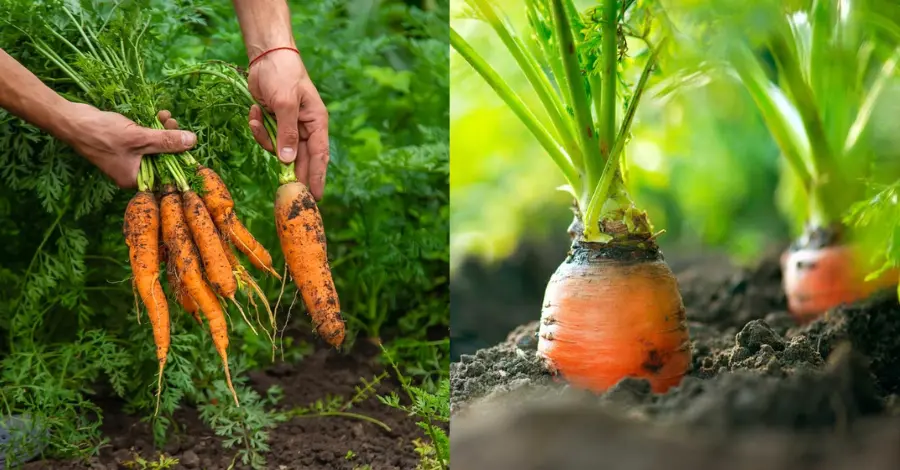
(270, 41)
(69, 121)
(271, 54)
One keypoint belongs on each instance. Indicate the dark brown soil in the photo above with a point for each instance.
(761, 392)
(301, 443)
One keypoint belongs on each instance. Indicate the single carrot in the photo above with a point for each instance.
(181, 294)
(818, 279)
(207, 240)
(610, 314)
(141, 230)
(302, 236)
(221, 207)
(187, 266)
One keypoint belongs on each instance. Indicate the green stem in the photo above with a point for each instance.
(175, 172)
(804, 100)
(145, 175)
(83, 34)
(517, 106)
(601, 192)
(45, 50)
(550, 57)
(609, 55)
(580, 102)
(537, 78)
(287, 175)
(789, 141)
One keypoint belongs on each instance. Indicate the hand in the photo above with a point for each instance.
(115, 144)
(279, 81)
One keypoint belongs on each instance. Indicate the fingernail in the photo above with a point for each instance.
(287, 154)
(188, 138)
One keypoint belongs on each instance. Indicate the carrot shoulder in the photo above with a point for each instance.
(303, 242)
(141, 230)
(187, 266)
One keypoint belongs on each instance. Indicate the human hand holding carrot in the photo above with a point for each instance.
(279, 81)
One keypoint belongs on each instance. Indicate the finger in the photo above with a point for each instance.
(314, 116)
(318, 161)
(301, 165)
(259, 130)
(170, 124)
(125, 172)
(286, 114)
(163, 115)
(261, 136)
(165, 141)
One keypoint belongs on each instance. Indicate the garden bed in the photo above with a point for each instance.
(300, 443)
(761, 391)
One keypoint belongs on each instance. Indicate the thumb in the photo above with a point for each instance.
(288, 134)
(167, 141)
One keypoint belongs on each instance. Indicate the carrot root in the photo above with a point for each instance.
(187, 265)
(220, 205)
(141, 230)
(606, 319)
(302, 236)
(816, 280)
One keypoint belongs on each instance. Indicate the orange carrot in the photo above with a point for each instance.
(206, 238)
(141, 231)
(303, 242)
(221, 207)
(187, 266)
(613, 314)
(181, 294)
(818, 279)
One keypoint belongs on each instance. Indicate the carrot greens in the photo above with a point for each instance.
(575, 67)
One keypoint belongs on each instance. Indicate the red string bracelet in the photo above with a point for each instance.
(272, 50)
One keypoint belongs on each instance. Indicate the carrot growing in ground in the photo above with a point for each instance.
(187, 266)
(833, 65)
(612, 309)
(141, 231)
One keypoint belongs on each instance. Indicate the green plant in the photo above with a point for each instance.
(816, 71)
(432, 409)
(572, 62)
(334, 405)
(140, 463)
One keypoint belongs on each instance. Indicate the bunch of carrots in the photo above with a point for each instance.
(183, 215)
(193, 232)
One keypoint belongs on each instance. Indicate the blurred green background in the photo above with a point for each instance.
(701, 162)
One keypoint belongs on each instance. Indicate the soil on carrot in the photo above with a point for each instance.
(803, 394)
(300, 443)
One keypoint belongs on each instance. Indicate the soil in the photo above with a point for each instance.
(761, 391)
(301, 443)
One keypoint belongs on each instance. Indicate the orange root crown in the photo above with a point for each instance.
(607, 319)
